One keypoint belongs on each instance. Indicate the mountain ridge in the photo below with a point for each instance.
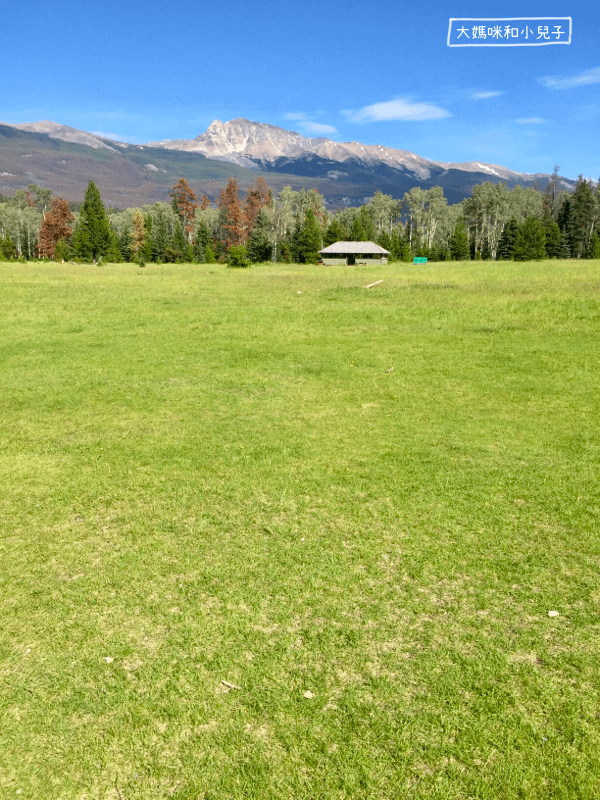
(259, 142)
(57, 131)
(65, 159)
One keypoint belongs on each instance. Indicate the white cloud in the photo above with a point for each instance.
(587, 78)
(530, 121)
(401, 108)
(308, 125)
(318, 128)
(485, 95)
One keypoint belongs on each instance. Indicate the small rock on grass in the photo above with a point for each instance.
(308, 694)
(553, 614)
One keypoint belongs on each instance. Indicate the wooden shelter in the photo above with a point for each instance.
(354, 253)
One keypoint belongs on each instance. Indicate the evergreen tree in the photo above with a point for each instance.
(237, 257)
(125, 244)
(357, 233)
(179, 250)
(209, 254)
(202, 241)
(336, 232)
(113, 252)
(530, 240)
(582, 217)
(260, 247)
(384, 240)
(554, 240)
(307, 240)
(367, 223)
(563, 216)
(285, 248)
(418, 248)
(399, 246)
(506, 243)
(564, 249)
(92, 238)
(145, 253)
(160, 239)
(63, 250)
(8, 248)
(440, 252)
(459, 242)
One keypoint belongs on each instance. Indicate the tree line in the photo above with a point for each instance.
(495, 223)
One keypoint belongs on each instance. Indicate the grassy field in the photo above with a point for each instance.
(267, 533)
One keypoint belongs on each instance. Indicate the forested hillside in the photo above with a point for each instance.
(495, 223)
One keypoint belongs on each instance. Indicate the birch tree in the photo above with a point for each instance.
(384, 211)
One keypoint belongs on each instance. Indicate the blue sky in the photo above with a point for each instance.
(377, 73)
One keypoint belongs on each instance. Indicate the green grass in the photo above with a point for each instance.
(277, 478)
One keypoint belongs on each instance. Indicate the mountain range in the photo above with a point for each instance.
(65, 159)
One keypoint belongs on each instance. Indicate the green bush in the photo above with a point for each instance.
(236, 256)
(63, 251)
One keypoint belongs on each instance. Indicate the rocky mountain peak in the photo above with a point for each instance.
(258, 145)
(215, 127)
(243, 142)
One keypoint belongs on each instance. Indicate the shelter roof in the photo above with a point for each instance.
(353, 248)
